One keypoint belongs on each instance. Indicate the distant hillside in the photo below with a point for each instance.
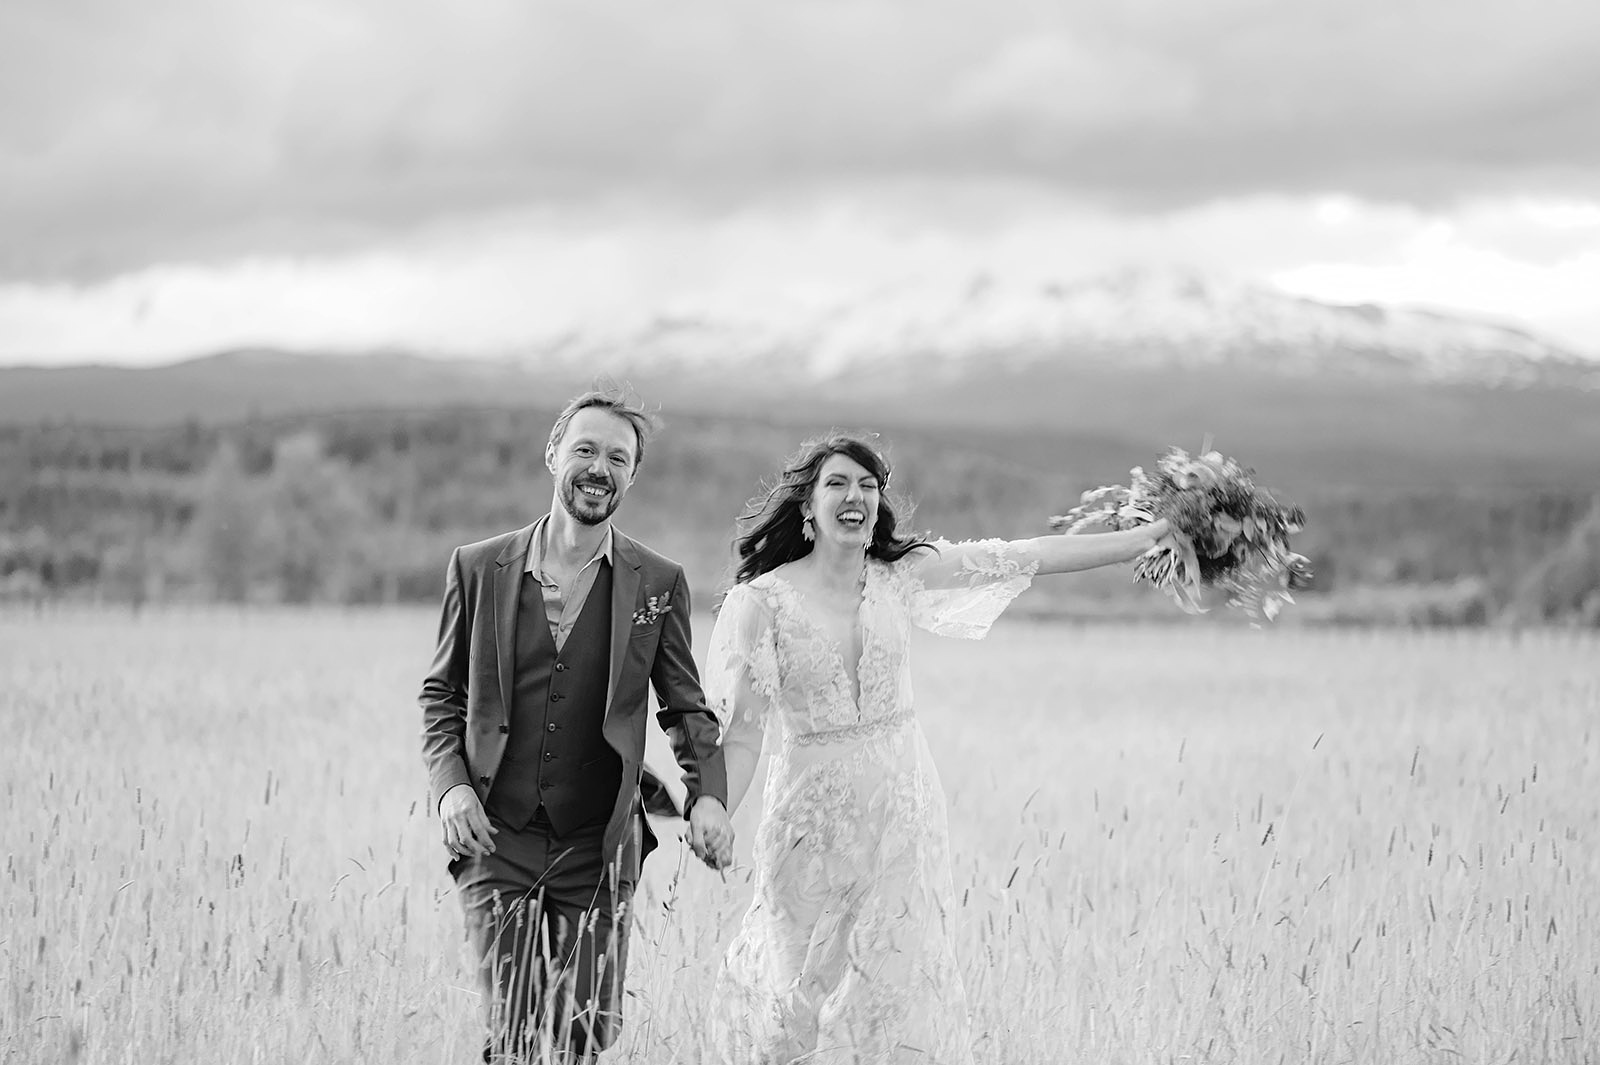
(365, 508)
(1338, 431)
(1346, 396)
(235, 385)
(1444, 460)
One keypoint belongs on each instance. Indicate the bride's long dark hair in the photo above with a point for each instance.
(775, 538)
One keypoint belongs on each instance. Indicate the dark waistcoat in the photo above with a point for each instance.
(556, 755)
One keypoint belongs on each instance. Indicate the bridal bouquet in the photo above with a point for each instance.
(1226, 533)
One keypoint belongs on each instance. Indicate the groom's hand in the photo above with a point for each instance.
(467, 831)
(711, 832)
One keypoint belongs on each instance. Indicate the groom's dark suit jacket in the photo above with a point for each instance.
(467, 696)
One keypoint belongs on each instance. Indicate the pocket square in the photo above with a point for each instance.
(653, 608)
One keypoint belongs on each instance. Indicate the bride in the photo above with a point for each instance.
(846, 953)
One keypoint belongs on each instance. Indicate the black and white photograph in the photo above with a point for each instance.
(577, 532)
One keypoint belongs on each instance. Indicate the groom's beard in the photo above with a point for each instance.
(587, 510)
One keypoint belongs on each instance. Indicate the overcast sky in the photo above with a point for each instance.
(180, 175)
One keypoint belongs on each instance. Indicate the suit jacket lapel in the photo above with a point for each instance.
(624, 591)
(507, 591)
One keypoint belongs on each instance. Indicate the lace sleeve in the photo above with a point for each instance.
(960, 589)
(741, 682)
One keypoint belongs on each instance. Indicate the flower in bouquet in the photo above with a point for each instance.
(1227, 533)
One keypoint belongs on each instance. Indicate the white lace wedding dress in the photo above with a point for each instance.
(846, 953)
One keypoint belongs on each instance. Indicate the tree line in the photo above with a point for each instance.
(365, 507)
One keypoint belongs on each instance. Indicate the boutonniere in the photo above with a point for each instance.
(653, 608)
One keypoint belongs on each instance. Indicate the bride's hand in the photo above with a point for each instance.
(711, 832)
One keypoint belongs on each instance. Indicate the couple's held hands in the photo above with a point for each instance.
(467, 831)
(711, 832)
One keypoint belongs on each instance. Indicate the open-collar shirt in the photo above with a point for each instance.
(563, 603)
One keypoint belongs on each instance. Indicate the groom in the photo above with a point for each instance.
(533, 732)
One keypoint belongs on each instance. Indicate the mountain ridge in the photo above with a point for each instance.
(1145, 319)
(1351, 395)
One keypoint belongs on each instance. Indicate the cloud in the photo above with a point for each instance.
(1071, 86)
(1523, 261)
(210, 129)
(503, 282)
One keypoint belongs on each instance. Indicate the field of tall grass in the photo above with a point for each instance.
(1173, 844)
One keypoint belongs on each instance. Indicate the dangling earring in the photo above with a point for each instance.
(808, 530)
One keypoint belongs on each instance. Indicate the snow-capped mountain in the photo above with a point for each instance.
(1132, 320)
(1110, 364)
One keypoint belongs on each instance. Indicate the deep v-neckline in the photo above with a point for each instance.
(852, 678)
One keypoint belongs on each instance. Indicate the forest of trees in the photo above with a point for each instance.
(364, 508)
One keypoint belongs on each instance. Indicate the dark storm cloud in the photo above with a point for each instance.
(199, 128)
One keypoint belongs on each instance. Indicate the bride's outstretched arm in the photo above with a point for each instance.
(1069, 554)
(960, 589)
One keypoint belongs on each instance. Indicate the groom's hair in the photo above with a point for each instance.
(619, 400)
